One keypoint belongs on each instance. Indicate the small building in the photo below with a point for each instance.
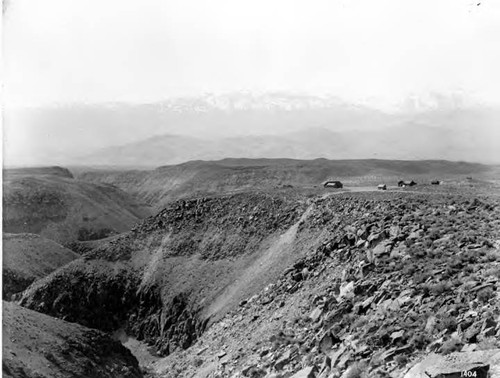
(382, 187)
(403, 184)
(435, 182)
(333, 184)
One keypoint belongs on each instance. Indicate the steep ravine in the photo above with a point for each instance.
(107, 297)
(157, 281)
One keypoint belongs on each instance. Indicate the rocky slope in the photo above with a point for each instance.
(164, 184)
(269, 285)
(51, 203)
(28, 257)
(396, 276)
(158, 280)
(36, 345)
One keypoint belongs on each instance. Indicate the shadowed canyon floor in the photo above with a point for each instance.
(36, 345)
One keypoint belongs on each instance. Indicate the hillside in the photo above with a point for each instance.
(158, 187)
(36, 345)
(28, 257)
(261, 283)
(63, 209)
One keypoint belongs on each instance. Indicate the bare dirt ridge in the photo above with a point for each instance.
(201, 178)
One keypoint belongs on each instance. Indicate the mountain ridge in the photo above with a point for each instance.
(410, 142)
(89, 129)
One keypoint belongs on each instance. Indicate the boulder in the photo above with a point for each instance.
(459, 364)
(347, 290)
(316, 314)
(308, 372)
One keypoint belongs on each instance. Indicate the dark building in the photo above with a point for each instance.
(402, 183)
(333, 184)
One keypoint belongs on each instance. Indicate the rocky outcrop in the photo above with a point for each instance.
(396, 276)
(97, 296)
(221, 227)
(480, 364)
(107, 300)
(174, 325)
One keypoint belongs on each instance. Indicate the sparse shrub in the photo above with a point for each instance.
(360, 322)
(455, 263)
(469, 257)
(357, 370)
(450, 346)
(419, 341)
(439, 288)
(401, 359)
(492, 256)
(85, 234)
(348, 319)
(488, 343)
(468, 269)
(485, 295)
(416, 251)
(495, 271)
(426, 288)
(421, 277)
(408, 269)
(198, 362)
(448, 323)
(434, 235)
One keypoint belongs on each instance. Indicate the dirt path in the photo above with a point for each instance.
(360, 189)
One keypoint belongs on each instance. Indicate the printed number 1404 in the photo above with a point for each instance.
(468, 373)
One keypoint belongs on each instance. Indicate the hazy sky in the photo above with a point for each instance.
(60, 51)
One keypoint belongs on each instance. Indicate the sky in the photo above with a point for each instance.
(379, 52)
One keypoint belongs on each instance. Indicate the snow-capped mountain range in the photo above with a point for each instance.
(236, 101)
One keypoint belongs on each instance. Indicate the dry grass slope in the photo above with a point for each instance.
(28, 257)
(63, 209)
